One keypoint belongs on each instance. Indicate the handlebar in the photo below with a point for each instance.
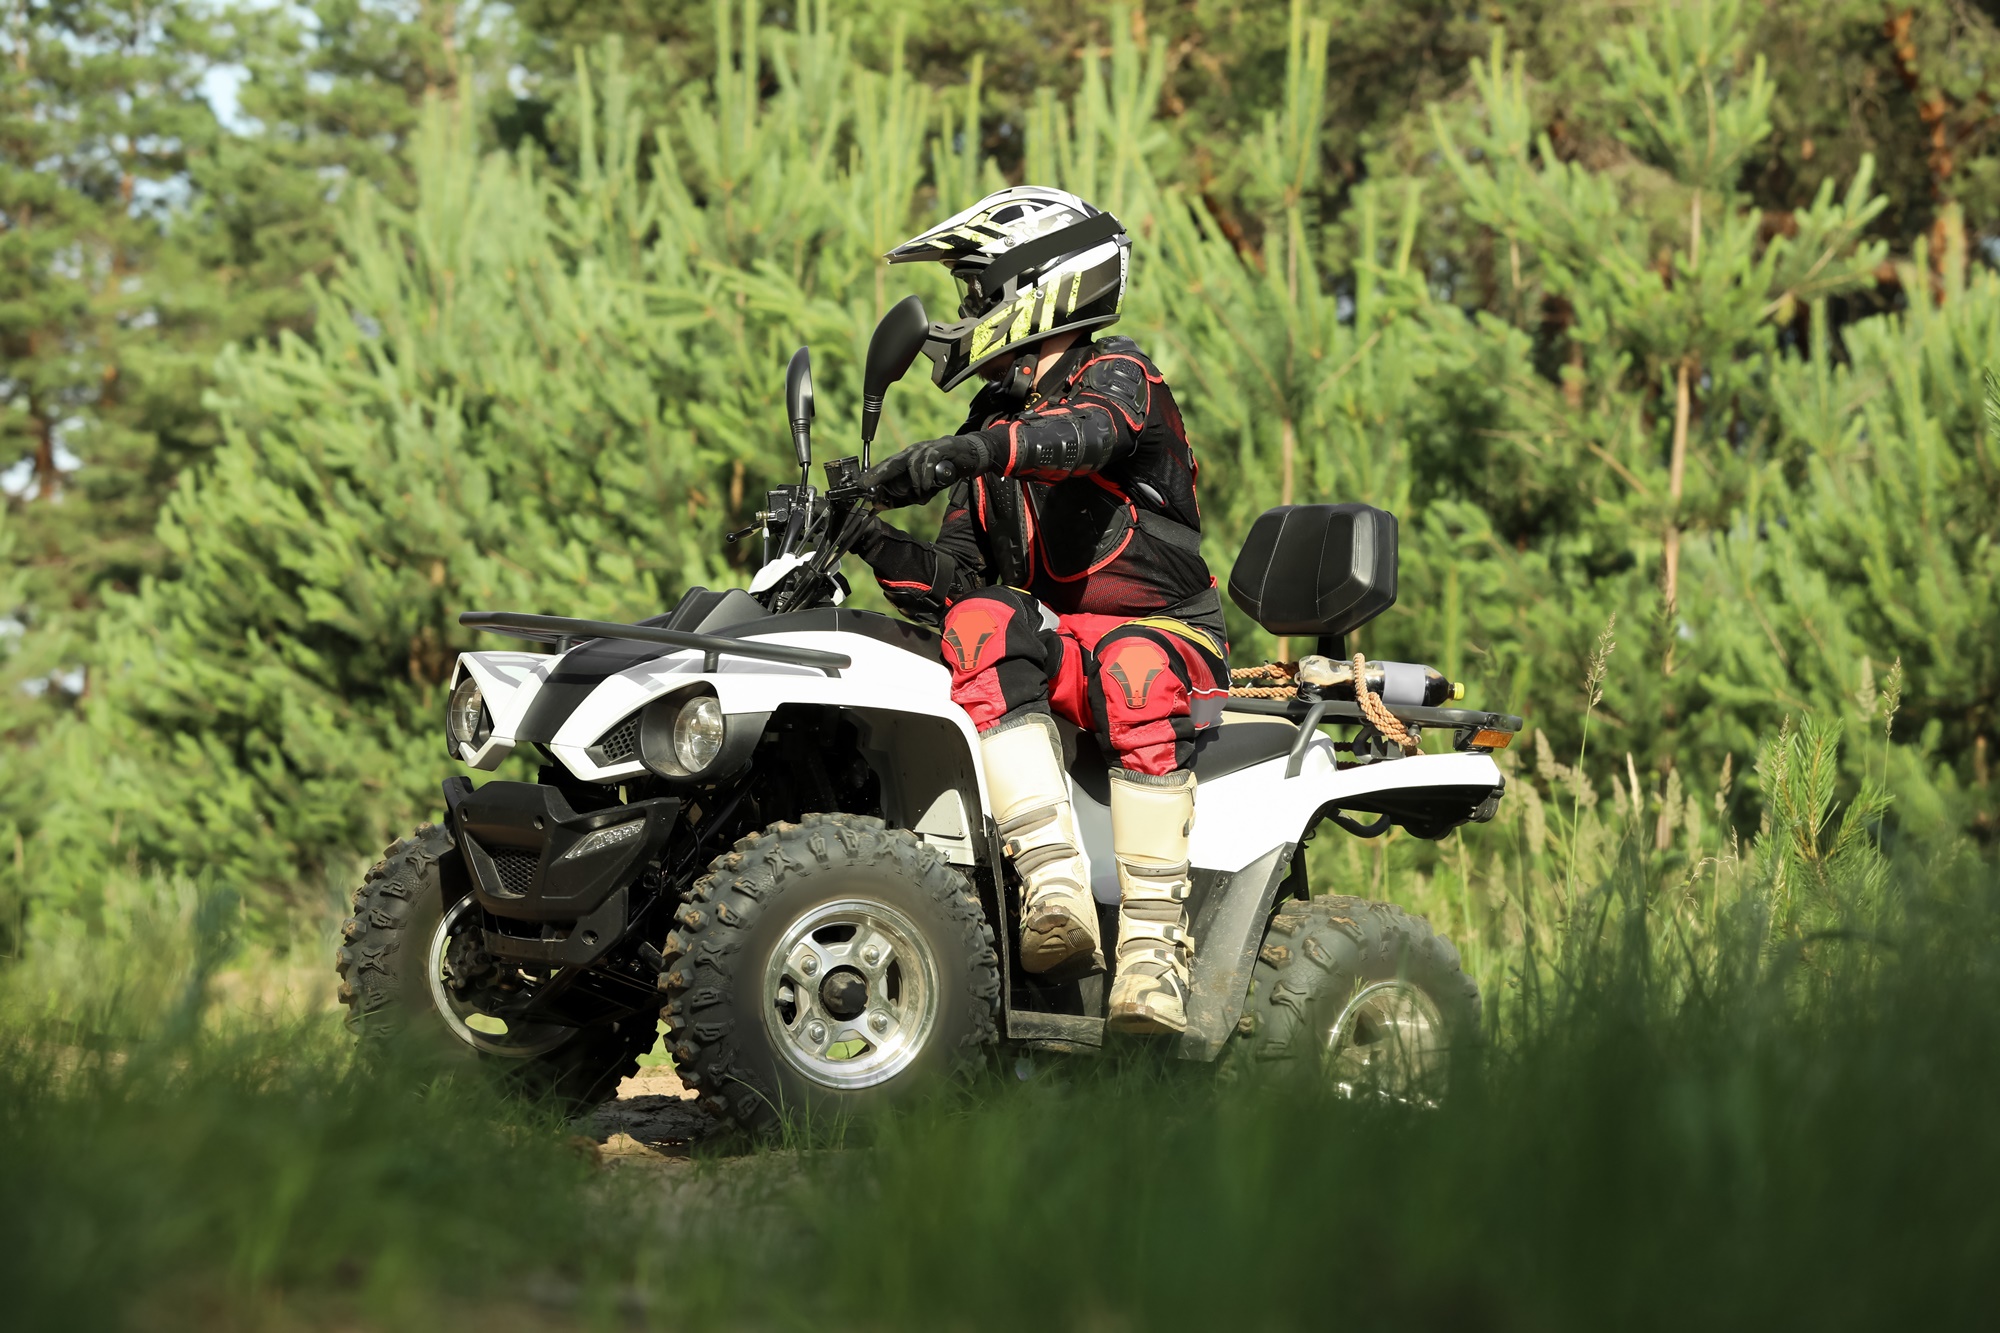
(844, 515)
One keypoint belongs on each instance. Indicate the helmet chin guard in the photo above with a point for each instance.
(1031, 262)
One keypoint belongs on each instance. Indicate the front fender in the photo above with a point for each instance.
(509, 680)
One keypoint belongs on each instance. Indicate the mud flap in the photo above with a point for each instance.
(1228, 931)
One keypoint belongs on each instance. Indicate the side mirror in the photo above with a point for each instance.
(799, 404)
(891, 348)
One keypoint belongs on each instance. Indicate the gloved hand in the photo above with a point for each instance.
(922, 470)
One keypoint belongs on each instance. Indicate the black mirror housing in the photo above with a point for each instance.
(891, 349)
(799, 404)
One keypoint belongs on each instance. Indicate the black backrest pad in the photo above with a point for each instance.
(1317, 569)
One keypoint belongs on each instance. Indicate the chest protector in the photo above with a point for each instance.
(1125, 538)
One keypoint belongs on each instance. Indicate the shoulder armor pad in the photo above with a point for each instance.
(1119, 371)
(1119, 345)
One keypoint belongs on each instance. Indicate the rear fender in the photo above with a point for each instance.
(1240, 817)
(1248, 828)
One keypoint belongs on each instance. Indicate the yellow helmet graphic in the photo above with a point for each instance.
(1030, 262)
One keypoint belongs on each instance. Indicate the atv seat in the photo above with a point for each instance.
(1220, 751)
(1223, 750)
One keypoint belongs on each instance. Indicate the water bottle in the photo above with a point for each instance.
(1400, 684)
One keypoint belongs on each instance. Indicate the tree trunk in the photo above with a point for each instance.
(1288, 448)
(1676, 475)
(46, 476)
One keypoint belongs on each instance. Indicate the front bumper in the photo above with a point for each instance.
(516, 838)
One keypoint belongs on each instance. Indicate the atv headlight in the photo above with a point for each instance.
(698, 733)
(687, 735)
(466, 720)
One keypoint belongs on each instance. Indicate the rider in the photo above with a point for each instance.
(1068, 579)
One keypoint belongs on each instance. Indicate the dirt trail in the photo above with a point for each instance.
(653, 1121)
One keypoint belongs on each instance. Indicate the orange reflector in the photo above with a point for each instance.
(1491, 740)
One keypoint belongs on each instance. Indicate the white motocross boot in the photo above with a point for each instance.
(1151, 818)
(1031, 803)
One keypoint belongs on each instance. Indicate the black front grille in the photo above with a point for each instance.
(619, 745)
(517, 870)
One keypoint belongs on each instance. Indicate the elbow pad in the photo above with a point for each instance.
(1048, 447)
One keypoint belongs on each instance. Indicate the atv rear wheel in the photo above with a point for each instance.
(410, 929)
(825, 968)
(1362, 994)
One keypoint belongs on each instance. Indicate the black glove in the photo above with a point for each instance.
(870, 534)
(922, 470)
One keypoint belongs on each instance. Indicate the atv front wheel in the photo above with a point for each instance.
(825, 968)
(1362, 994)
(404, 962)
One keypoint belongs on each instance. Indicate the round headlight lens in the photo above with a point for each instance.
(466, 720)
(698, 733)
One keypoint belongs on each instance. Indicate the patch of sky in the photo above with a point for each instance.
(222, 88)
(69, 680)
(18, 478)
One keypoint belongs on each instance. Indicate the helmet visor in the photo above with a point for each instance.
(973, 299)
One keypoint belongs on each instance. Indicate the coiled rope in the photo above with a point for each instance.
(1285, 685)
(1378, 713)
(1285, 674)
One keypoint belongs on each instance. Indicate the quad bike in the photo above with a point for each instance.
(763, 812)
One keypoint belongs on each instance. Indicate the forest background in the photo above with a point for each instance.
(322, 323)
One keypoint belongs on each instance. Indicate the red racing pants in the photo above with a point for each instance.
(1146, 686)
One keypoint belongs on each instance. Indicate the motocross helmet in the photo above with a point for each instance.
(1030, 262)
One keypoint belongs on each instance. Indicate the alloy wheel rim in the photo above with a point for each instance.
(511, 1041)
(1389, 1040)
(850, 993)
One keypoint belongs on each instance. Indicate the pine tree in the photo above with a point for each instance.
(1674, 296)
(542, 373)
(103, 342)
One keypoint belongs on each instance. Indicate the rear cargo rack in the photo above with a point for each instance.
(1309, 714)
(1346, 710)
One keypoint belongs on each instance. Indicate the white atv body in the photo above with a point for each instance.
(762, 816)
(1264, 782)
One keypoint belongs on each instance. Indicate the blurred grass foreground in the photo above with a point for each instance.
(1784, 1118)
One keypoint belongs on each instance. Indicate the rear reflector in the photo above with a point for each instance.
(1491, 740)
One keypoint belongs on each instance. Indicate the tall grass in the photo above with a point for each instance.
(1754, 1089)
(1733, 1081)
(182, 1145)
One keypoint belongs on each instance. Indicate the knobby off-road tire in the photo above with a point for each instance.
(824, 969)
(1362, 994)
(383, 961)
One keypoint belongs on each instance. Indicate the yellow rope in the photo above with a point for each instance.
(1283, 675)
(1378, 713)
(1286, 676)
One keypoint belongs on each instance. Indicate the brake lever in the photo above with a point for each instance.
(833, 545)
